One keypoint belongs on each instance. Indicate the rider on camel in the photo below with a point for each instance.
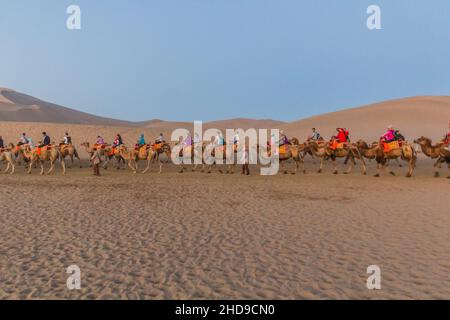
(117, 141)
(283, 139)
(45, 141)
(100, 141)
(141, 141)
(389, 136)
(67, 139)
(315, 135)
(23, 140)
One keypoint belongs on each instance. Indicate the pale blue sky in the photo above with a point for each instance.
(213, 59)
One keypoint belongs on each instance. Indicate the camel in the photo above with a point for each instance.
(295, 151)
(7, 156)
(68, 150)
(230, 167)
(150, 154)
(190, 154)
(18, 153)
(114, 153)
(348, 151)
(406, 152)
(51, 154)
(437, 151)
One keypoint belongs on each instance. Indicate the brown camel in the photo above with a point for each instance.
(114, 153)
(323, 151)
(406, 152)
(437, 151)
(48, 153)
(213, 161)
(149, 154)
(295, 151)
(68, 150)
(7, 156)
(18, 153)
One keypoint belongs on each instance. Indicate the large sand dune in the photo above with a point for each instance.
(416, 116)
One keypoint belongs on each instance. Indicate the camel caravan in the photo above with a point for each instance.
(391, 147)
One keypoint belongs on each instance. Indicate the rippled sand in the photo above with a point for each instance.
(199, 236)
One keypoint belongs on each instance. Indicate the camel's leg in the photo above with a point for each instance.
(63, 166)
(303, 165)
(71, 161)
(52, 165)
(13, 167)
(334, 166)
(363, 165)
(149, 160)
(448, 169)
(160, 167)
(7, 168)
(131, 166)
(30, 167)
(296, 166)
(379, 169)
(350, 166)
(437, 166)
(41, 163)
(283, 167)
(390, 170)
(412, 164)
(321, 165)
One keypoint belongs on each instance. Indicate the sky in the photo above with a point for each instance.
(218, 59)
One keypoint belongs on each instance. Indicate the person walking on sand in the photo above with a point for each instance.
(96, 160)
(245, 162)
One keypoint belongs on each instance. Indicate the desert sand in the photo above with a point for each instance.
(200, 236)
(216, 236)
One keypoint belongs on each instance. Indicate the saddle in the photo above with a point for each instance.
(390, 146)
(143, 151)
(157, 146)
(112, 151)
(335, 145)
(99, 146)
(283, 149)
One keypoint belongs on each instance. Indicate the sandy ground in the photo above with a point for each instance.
(199, 236)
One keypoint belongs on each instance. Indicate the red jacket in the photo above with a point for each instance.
(342, 135)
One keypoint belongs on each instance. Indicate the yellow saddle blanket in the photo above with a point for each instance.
(284, 149)
(387, 147)
(143, 152)
(337, 145)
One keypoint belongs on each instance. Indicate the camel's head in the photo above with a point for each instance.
(422, 140)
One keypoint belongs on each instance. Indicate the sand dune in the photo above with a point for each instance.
(414, 116)
(19, 107)
(16, 106)
(243, 123)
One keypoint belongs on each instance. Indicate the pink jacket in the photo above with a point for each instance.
(389, 135)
